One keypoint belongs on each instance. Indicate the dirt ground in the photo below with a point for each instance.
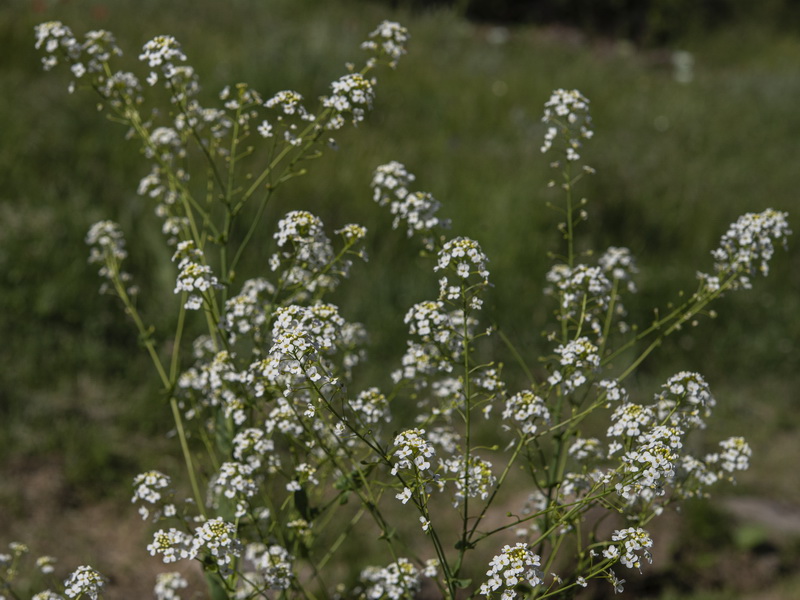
(39, 510)
(43, 513)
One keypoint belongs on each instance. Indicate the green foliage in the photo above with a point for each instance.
(702, 152)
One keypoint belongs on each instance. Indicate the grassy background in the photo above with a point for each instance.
(676, 163)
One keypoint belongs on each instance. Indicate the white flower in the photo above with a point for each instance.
(736, 454)
(273, 564)
(633, 541)
(351, 95)
(527, 409)
(397, 581)
(478, 477)
(566, 113)
(173, 545)
(747, 247)
(149, 489)
(45, 564)
(194, 276)
(217, 539)
(84, 581)
(265, 129)
(416, 209)
(412, 451)
(511, 567)
(404, 496)
(168, 585)
(388, 40)
(47, 595)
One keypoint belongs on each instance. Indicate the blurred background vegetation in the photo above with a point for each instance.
(696, 121)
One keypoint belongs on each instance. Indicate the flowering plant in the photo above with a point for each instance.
(290, 461)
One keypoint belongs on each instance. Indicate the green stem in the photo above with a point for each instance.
(187, 455)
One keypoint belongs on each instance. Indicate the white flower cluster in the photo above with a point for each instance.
(214, 381)
(695, 474)
(84, 582)
(90, 56)
(304, 473)
(650, 465)
(488, 386)
(478, 480)
(388, 41)
(630, 420)
(735, 455)
(303, 335)
(351, 94)
(291, 114)
(429, 321)
(246, 313)
(619, 264)
(527, 409)
(168, 586)
(217, 539)
(463, 257)
(56, 37)
(582, 291)
(421, 361)
(412, 451)
(153, 488)
(235, 481)
(251, 446)
(566, 113)
(444, 437)
(306, 252)
(183, 85)
(747, 247)
(165, 145)
(213, 120)
(47, 595)
(352, 232)
(106, 239)
(119, 87)
(107, 247)
(193, 275)
(576, 486)
(586, 448)
(685, 400)
(576, 358)
(513, 566)
(613, 391)
(153, 186)
(241, 100)
(289, 103)
(390, 181)
(652, 437)
(440, 344)
(173, 545)
(18, 549)
(634, 541)
(417, 209)
(46, 564)
(285, 417)
(162, 51)
(273, 567)
(371, 406)
(398, 581)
